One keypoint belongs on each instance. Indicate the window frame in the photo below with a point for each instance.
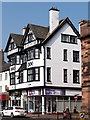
(33, 74)
(65, 75)
(75, 77)
(48, 74)
(69, 39)
(13, 78)
(20, 77)
(6, 76)
(77, 59)
(48, 52)
(65, 55)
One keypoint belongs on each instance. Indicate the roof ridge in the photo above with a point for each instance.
(15, 34)
(38, 25)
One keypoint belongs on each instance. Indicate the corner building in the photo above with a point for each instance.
(45, 69)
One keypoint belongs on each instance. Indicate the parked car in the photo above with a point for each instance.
(14, 111)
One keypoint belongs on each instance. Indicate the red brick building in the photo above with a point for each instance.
(85, 56)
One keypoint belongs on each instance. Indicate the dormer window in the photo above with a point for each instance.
(30, 37)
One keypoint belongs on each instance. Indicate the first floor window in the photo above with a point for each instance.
(48, 74)
(75, 56)
(75, 76)
(65, 75)
(30, 75)
(21, 77)
(12, 78)
(65, 54)
(34, 74)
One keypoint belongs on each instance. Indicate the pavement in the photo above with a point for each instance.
(42, 117)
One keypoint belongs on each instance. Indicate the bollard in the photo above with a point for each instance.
(57, 115)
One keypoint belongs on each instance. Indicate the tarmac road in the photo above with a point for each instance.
(28, 118)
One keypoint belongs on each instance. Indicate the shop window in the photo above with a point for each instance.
(76, 76)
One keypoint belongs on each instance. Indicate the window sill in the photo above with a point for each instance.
(76, 61)
(48, 82)
(76, 82)
(65, 82)
(49, 58)
(65, 60)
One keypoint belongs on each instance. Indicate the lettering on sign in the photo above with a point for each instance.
(30, 64)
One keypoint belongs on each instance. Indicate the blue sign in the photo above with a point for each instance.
(82, 115)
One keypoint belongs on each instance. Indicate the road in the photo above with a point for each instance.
(28, 118)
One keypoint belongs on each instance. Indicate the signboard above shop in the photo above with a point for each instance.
(34, 92)
(54, 92)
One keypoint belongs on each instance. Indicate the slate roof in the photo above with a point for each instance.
(17, 39)
(39, 31)
(5, 67)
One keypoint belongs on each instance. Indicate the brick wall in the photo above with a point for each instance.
(85, 56)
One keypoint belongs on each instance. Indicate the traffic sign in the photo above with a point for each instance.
(82, 116)
(76, 97)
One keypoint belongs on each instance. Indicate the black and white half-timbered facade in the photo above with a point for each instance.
(45, 68)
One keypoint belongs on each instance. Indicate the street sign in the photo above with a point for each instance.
(82, 116)
(76, 97)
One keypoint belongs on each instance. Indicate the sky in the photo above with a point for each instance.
(16, 15)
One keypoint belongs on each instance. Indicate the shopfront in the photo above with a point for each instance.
(15, 98)
(4, 98)
(55, 100)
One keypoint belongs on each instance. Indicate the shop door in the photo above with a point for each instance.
(49, 105)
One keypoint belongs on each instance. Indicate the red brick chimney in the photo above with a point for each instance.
(85, 55)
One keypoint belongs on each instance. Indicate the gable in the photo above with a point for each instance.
(12, 45)
(62, 23)
(39, 32)
(29, 37)
(16, 39)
